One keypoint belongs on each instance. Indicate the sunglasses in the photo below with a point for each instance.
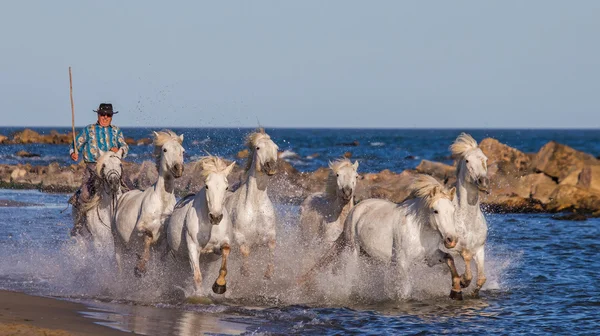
(105, 114)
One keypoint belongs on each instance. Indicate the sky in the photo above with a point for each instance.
(388, 64)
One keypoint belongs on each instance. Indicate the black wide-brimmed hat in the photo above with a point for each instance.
(106, 108)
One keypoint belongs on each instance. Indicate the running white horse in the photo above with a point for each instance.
(140, 214)
(401, 234)
(251, 211)
(98, 214)
(322, 215)
(470, 222)
(200, 223)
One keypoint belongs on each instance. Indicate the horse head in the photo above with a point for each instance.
(109, 169)
(342, 179)
(263, 151)
(472, 164)
(169, 152)
(438, 207)
(214, 173)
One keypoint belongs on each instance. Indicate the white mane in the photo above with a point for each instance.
(462, 145)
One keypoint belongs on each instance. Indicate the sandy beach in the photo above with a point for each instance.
(22, 314)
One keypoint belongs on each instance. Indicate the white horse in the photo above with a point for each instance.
(402, 234)
(200, 223)
(251, 211)
(98, 214)
(140, 214)
(470, 222)
(322, 215)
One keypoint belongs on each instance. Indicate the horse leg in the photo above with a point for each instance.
(140, 268)
(271, 265)
(456, 291)
(466, 278)
(479, 260)
(245, 250)
(119, 256)
(220, 285)
(195, 264)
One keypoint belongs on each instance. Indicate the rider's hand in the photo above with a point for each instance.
(114, 149)
(74, 156)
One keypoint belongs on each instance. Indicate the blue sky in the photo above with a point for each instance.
(303, 63)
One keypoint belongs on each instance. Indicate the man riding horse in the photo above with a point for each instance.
(91, 142)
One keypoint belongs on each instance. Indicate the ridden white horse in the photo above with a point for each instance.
(200, 223)
(140, 214)
(470, 221)
(402, 234)
(251, 211)
(98, 214)
(322, 215)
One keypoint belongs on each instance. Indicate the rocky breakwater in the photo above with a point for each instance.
(556, 179)
(29, 136)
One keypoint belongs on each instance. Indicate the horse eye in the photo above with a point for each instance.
(435, 211)
(338, 175)
(165, 150)
(467, 161)
(257, 148)
(226, 188)
(206, 187)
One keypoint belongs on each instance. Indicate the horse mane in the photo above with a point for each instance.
(331, 185)
(424, 188)
(211, 164)
(161, 138)
(462, 145)
(251, 141)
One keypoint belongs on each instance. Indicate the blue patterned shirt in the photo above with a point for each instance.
(95, 137)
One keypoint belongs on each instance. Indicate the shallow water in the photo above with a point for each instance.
(542, 278)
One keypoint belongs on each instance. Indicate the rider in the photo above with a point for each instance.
(101, 136)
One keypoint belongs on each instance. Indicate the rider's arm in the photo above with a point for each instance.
(80, 140)
(122, 144)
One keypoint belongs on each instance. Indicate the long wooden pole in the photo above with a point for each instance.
(72, 110)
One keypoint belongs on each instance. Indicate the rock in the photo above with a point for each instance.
(438, 170)
(410, 157)
(350, 144)
(507, 159)
(559, 161)
(571, 217)
(313, 156)
(573, 198)
(542, 187)
(18, 173)
(572, 178)
(144, 142)
(511, 204)
(26, 154)
(3, 139)
(590, 178)
(26, 136)
(243, 154)
(348, 155)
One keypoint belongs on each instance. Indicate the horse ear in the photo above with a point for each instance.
(155, 134)
(120, 153)
(355, 165)
(434, 191)
(452, 193)
(330, 164)
(181, 138)
(229, 168)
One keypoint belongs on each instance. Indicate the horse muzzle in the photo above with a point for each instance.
(114, 182)
(346, 194)
(177, 170)
(450, 242)
(483, 184)
(215, 220)
(270, 168)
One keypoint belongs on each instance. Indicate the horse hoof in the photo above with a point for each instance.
(219, 289)
(138, 272)
(454, 295)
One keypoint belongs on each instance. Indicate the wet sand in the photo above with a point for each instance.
(22, 314)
